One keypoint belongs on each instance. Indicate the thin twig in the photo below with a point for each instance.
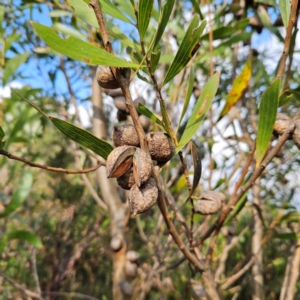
(52, 169)
(287, 40)
(35, 272)
(71, 295)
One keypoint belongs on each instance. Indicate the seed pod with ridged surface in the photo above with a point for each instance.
(126, 181)
(144, 197)
(209, 203)
(125, 135)
(119, 103)
(106, 78)
(142, 166)
(296, 134)
(145, 122)
(281, 124)
(161, 146)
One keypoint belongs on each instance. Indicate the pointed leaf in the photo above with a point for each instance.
(237, 208)
(83, 137)
(163, 21)
(144, 16)
(287, 236)
(188, 95)
(196, 6)
(78, 49)
(2, 134)
(26, 236)
(285, 97)
(142, 109)
(238, 87)
(13, 64)
(112, 10)
(19, 194)
(68, 30)
(285, 10)
(199, 112)
(197, 167)
(267, 116)
(2, 11)
(187, 48)
(154, 60)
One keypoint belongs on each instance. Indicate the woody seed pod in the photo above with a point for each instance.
(132, 256)
(296, 134)
(209, 203)
(144, 197)
(130, 269)
(125, 135)
(119, 161)
(145, 122)
(116, 243)
(281, 124)
(106, 78)
(142, 166)
(161, 147)
(126, 181)
(119, 103)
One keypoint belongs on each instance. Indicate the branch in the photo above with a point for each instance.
(52, 169)
(21, 288)
(71, 295)
(287, 40)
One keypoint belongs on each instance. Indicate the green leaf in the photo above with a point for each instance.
(68, 30)
(2, 134)
(2, 11)
(78, 49)
(83, 137)
(11, 39)
(85, 13)
(144, 16)
(199, 112)
(267, 116)
(13, 64)
(163, 21)
(235, 39)
(3, 241)
(112, 10)
(26, 236)
(187, 48)
(197, 167)
(196, 6)
(57, 13)
(142, 109)
(285, 97)
(285, 10)
(187, 95)
(154, 60)
(237, 208)
(287, 236)
(19, 194)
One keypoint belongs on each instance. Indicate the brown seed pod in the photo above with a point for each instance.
(119, 161)
(209, 203)
(161, 147)
(296, 134)
(106, 78)
(281, 124)
(142, 166)
(116, 243)
(119, 103)
(130, 269)
(132, 256)
(145, 122)
(144, 197)
(126, 181)
(113, 93)
(125, 135)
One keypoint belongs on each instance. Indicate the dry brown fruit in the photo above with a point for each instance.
(209, 203)
(142, 166)
(161, 146)
(120, 104)
(126, 181)
(296, 134)
(145, 122)
(119, 161)
(130, 269)
(125, 135)
(106, 78)
(144, 197)
(281, 123)
(132, 256)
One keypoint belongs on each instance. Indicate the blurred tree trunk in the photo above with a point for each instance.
(258, 282)
(118, 211)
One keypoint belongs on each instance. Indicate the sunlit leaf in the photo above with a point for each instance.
(196, 6)
(188, 95)
(238, 87)
(233, 40)
(2, 11)
(163, 21)
(78, 49)
(285, 97)
(26, 236)
(68, 30)
(11, 39)
(58, 13)
(109, 8)
(267, 116)
(199, 112)
(142, 109)
(13, 64)
(187, 48)
(83, 137)
(285, 10)
(2, 134)
(144, 16)
(19, 194)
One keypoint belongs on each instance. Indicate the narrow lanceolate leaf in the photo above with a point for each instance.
(287, 236)
(142, 109)
(163, 21)
(197, 167)
(267, 116)
(83, 137)
(154, 60)
(112, 10)
(2, 11)
(196, 6)
(187, 95)
(188, 47)
(285, 97)
(238, 87)
(2, 134)
(78, 49)
(199, 112)
(13, 64)
(19, 194)
(238, 207)
(26, 236)
(144, 16)
(285, 10)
